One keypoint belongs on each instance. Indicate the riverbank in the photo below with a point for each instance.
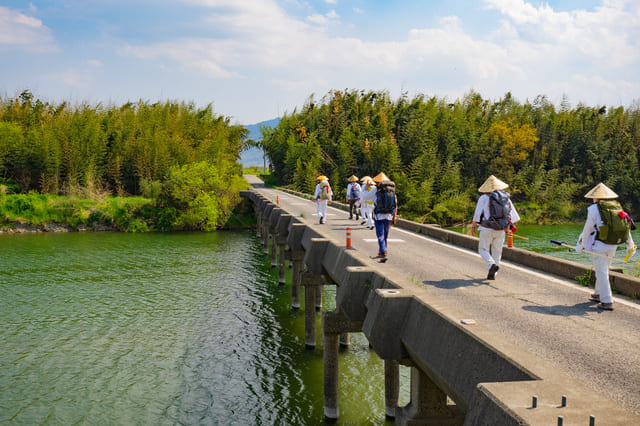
(34, 213)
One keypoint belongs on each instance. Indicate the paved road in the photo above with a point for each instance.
(549, 316)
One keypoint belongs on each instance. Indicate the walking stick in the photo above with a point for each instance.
(563, 244)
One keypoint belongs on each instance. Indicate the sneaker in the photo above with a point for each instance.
(605, 306)
(321, 220)
(492, 272)
(595, 297)
(363, 222)
(383, 258)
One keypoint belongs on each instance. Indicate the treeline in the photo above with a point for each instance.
(439, 152)
(182, 157)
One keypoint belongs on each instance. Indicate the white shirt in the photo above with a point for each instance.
(482, 210)
(369, 199)
(587, 238)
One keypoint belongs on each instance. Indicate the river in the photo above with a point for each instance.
(175, 328)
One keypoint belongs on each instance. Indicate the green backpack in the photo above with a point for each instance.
(615, 229)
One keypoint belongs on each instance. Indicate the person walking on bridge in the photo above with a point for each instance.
(607, 225)
(366, 203)
(353, 196)
(384, 211)
(494, 214)
(322, 197)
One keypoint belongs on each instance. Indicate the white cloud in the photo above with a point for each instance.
(535, 50)
(25, 32)
(95, 63)
(71, 78)
(609, 33)
(326, 19)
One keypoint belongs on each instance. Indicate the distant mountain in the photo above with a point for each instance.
(254, 156)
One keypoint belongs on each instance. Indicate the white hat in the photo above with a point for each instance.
(492, 184)
(602, 192)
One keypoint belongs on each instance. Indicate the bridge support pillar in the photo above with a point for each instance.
(331, 380)
(282, 269)
(345, 340)
(428, 404)
(334, 325)
(391, 387)
(296, 255)
(258, 224)
(311, 282)
(265, 236)
(297, 259)
(319, 298)
(274, 251)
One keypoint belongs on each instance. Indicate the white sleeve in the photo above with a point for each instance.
(480, 206)
(514, 213)
(317, 193)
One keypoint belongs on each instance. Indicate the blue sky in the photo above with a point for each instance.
(258, 59)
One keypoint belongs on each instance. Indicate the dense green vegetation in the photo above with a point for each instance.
(182, 159)
(439, 152)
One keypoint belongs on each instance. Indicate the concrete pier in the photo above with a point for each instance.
(428, 404)
(391, 388)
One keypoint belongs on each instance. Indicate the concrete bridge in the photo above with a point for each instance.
(527, 348)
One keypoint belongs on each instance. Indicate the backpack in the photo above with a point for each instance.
(385, 198)
(499, 211)
(324, 191)
(615, 227)
(355, 191)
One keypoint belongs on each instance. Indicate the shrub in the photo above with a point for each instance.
(137, 225)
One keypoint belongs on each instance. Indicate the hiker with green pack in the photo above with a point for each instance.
(607, 225)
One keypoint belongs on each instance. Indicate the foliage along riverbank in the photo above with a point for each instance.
(21, 213)
(72, 165)
(439, 152)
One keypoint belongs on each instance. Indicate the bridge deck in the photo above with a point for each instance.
(549, 316)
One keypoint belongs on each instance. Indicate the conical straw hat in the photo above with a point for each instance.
(492, 184)
(381, 176)
(364, 179)
(602, 192)
(353, 178)
(322, 177)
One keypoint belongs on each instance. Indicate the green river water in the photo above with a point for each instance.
(175, 328)
(181, 328)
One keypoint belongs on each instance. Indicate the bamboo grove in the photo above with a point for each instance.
(439, 152)
(182, 157)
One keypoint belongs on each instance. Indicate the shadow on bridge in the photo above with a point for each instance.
(578, 310)
(457, 283)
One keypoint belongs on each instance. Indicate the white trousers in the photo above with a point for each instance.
(321, 208)
(601, 268)
(490, 246)
(366, 211)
